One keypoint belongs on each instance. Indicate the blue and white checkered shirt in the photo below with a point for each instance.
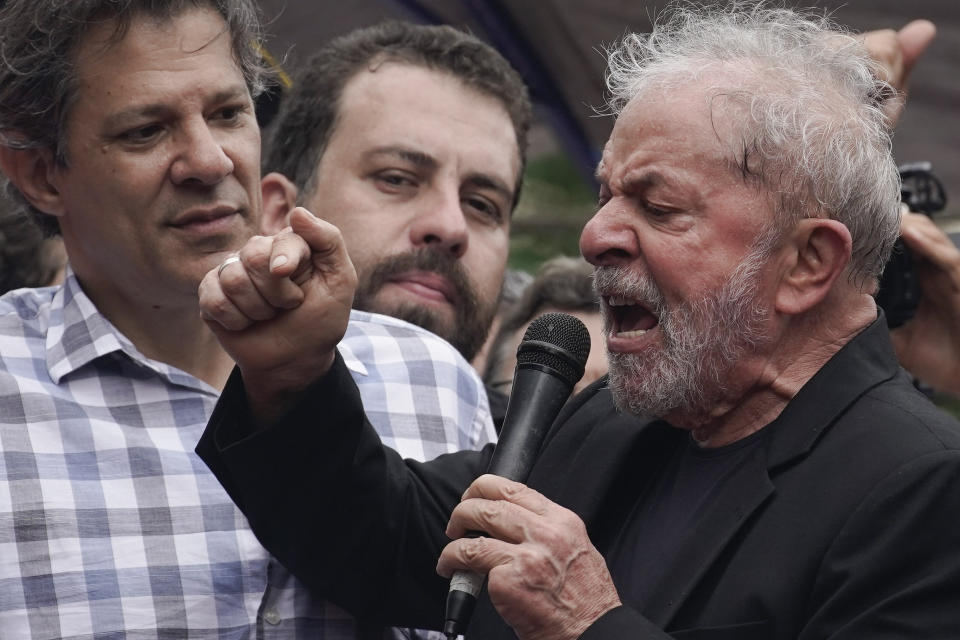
(112, 527)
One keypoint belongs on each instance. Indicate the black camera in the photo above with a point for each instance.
(899, 292)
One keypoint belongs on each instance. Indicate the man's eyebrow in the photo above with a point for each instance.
(426, 161)
(130, 115)
(485, 181)
(231, 93)
(645, 178)
(160, 109)
(416, 158)
(637, 180)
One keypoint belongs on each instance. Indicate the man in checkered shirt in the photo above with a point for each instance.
(129, 128)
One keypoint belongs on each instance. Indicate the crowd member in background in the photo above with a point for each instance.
(560, 284)
(897, 52)
(928, 345)
(411, 140)
(129, 128)
(515, 283)
(759, 466)
(27, 258)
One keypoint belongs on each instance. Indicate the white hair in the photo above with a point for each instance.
(806, 100)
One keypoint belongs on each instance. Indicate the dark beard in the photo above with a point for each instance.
(472, 319)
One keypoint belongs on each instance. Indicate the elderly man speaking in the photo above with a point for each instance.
(756, 465)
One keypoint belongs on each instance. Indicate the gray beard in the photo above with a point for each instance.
(702, 342)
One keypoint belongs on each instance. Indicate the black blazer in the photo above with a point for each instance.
(843, 524)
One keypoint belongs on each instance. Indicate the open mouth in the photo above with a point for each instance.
(629, 318)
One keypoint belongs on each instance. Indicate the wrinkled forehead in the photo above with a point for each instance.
(684, 120)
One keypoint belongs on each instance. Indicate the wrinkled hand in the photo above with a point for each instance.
(281, 309)
(898, 52)
(929, 344)
(545, 577)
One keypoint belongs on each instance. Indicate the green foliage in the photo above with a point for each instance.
(556, 170)
(531, 247)
(555, 204)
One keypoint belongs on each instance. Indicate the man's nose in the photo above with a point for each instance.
(442, 225)
(201, 158)
(608, 238)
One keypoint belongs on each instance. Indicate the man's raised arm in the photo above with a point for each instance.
(291, 444)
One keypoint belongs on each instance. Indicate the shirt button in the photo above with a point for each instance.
(271, 616)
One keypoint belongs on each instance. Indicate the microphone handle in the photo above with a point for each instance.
(541, 393)
(461, 600)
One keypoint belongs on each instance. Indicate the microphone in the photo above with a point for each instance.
(550, 361)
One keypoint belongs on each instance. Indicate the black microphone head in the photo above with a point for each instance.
(557, 341)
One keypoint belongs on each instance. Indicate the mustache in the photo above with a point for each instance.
(626, 283)
(429, 260)
(472, 316)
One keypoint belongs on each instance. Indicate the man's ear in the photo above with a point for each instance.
(279, 197)
(814, 255)
(30, 170)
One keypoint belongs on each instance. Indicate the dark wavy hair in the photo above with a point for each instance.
(308, 114)
(38, 44)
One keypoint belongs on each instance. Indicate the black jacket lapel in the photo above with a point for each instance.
(791, 436)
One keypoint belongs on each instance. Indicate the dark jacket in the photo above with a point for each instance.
(843, 524)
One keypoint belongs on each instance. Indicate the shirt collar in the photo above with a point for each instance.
(78, 334)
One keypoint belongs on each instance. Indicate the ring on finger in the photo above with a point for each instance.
(225, 263)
